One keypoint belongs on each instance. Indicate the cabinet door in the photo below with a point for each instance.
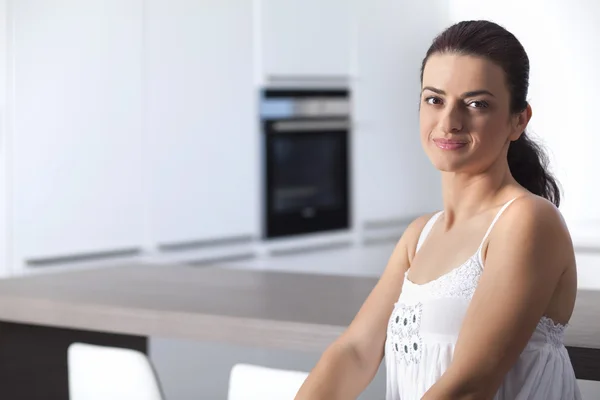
(306, 37)
(75, 127)
(393, 177)
(201, 120)
(5, 267)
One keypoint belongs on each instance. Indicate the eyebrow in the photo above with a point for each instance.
(466, 94)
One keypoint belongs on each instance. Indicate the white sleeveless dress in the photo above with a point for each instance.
(425, 324)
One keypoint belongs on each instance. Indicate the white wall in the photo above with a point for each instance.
(561, 40)
(4, 238)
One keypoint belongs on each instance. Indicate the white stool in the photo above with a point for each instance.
(253, 382)
(108, 373)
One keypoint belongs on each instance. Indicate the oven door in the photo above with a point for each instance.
(307, 176)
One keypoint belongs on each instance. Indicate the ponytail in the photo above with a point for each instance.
(528, 164)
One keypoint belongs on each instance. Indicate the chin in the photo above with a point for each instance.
(446, 165)
(446, 161)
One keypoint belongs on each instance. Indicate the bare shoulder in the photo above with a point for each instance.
(404, 250)
(535, 213)
(532, 222)
(417, 225)
(410, 237)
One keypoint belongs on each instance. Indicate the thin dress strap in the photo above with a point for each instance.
(504, 207)
(427, 229)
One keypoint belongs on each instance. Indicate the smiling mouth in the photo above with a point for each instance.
(450, 144)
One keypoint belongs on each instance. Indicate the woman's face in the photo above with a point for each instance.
(466, 124)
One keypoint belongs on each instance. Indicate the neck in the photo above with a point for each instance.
(466, 195)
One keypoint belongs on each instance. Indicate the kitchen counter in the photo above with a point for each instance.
(269, 309)
(274, 309)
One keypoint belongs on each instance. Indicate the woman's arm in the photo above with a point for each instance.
(528, 251)
(350, 363)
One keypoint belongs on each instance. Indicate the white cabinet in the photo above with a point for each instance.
(393, 179)
(5, 267)
(75, 127)
(200, 120)
(305, 38)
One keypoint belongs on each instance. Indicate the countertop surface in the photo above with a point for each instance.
(285, 310)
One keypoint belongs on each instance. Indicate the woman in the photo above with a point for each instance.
(490, 327)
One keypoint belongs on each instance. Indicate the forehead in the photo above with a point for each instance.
(456, 74)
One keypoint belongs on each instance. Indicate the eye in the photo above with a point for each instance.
(478, 104)
(434, 101)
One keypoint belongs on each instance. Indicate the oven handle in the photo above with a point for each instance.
(311, 126)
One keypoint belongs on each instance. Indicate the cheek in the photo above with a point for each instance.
(490, 134)
(426, 124)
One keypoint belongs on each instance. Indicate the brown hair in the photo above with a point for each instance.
(527, 160)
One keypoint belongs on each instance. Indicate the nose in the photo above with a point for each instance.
(451, 120)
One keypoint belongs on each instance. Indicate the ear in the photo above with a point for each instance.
(520, 122)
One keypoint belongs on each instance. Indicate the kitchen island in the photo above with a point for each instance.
(124, 305)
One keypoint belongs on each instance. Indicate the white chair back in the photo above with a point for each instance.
(108, 373)
(253, 382)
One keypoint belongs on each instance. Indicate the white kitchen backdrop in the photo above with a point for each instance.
(129, 128)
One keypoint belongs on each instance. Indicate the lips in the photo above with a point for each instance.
(450, 144)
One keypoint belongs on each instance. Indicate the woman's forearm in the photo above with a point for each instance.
(339, 375)
(455, 387)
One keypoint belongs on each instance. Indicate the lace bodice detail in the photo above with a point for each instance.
(460, 282)
(554, 333)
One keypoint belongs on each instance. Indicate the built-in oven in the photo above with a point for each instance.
(306, 135)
